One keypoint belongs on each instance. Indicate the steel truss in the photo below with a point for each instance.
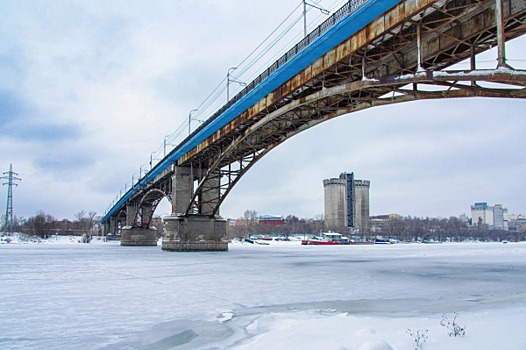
(407, 60)
(398, 66)
(299, 115)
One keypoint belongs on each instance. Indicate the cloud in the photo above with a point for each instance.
(23, 122)
(90, 89)
(11, 107)
(62, 164)
(30, 130)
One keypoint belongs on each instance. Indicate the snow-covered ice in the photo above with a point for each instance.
(280, 296)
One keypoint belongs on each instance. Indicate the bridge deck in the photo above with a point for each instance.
(377, 39)
(358, 13)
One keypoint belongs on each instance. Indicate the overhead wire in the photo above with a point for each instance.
(213, 101)
(216, 93)
(253, 61)
(268, 37)
(286, 46)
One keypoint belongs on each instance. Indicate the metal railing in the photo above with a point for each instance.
(347, 9)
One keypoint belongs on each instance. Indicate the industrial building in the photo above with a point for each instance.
(346, 202)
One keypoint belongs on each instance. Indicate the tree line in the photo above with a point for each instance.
(45, 225)
(249, 224)
(444, 229)
(402, 228)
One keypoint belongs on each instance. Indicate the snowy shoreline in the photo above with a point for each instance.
(18, 238)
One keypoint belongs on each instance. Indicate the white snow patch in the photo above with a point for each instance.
(375, 345)
(280, 296)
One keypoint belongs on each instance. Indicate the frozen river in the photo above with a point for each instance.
(283, 296)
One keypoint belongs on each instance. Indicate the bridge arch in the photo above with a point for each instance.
(231, 163)
(146, 207)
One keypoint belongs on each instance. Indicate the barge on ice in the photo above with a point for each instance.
(326, 238)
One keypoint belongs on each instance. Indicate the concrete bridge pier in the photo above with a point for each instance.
(112, 227)
(138, 236)
(194, 233)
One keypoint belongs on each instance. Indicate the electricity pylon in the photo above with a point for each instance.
(11, 178)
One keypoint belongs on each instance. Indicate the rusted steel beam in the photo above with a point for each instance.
(359, 74)
(301, 114)
(367, 34)
(388, 44)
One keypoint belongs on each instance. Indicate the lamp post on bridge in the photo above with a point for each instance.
(231, 80)
(140, 175)
(151, 160)
(190, 120)
(164, 144)
(305, 4)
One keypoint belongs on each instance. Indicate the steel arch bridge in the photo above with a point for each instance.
(369, 53)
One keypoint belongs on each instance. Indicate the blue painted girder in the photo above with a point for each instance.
(334, 36)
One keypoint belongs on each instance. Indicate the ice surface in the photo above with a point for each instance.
(281, 296)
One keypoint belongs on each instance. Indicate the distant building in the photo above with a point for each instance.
(378, 222)
(496, 217)
(335, 202)
(500, 217)
(482, 214)
(346, 202)
(517, 223)
(271, 220)
(464, 218)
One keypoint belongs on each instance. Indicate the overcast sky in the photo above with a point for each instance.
(89, 89)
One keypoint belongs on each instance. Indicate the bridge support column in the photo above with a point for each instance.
(105, 228)
(146, 215)
(112, 226)
(501, 49)
(138, 236)
(182, 187)
(119, 225)
(195, 233)
(130, 215)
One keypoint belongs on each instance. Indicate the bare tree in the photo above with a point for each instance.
(91, 220)
(81, 215)
(42, 225)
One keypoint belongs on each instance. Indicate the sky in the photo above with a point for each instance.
(90, 90)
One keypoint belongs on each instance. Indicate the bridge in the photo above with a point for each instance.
(368, 53)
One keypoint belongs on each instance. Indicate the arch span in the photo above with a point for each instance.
(231, 163)
(146, 208)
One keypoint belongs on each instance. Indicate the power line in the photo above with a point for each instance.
(268, 51)
(11, 181)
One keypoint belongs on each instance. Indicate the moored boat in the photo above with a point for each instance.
(329, 238)
(318, 242)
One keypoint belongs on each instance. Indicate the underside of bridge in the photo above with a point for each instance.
(403, 55)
